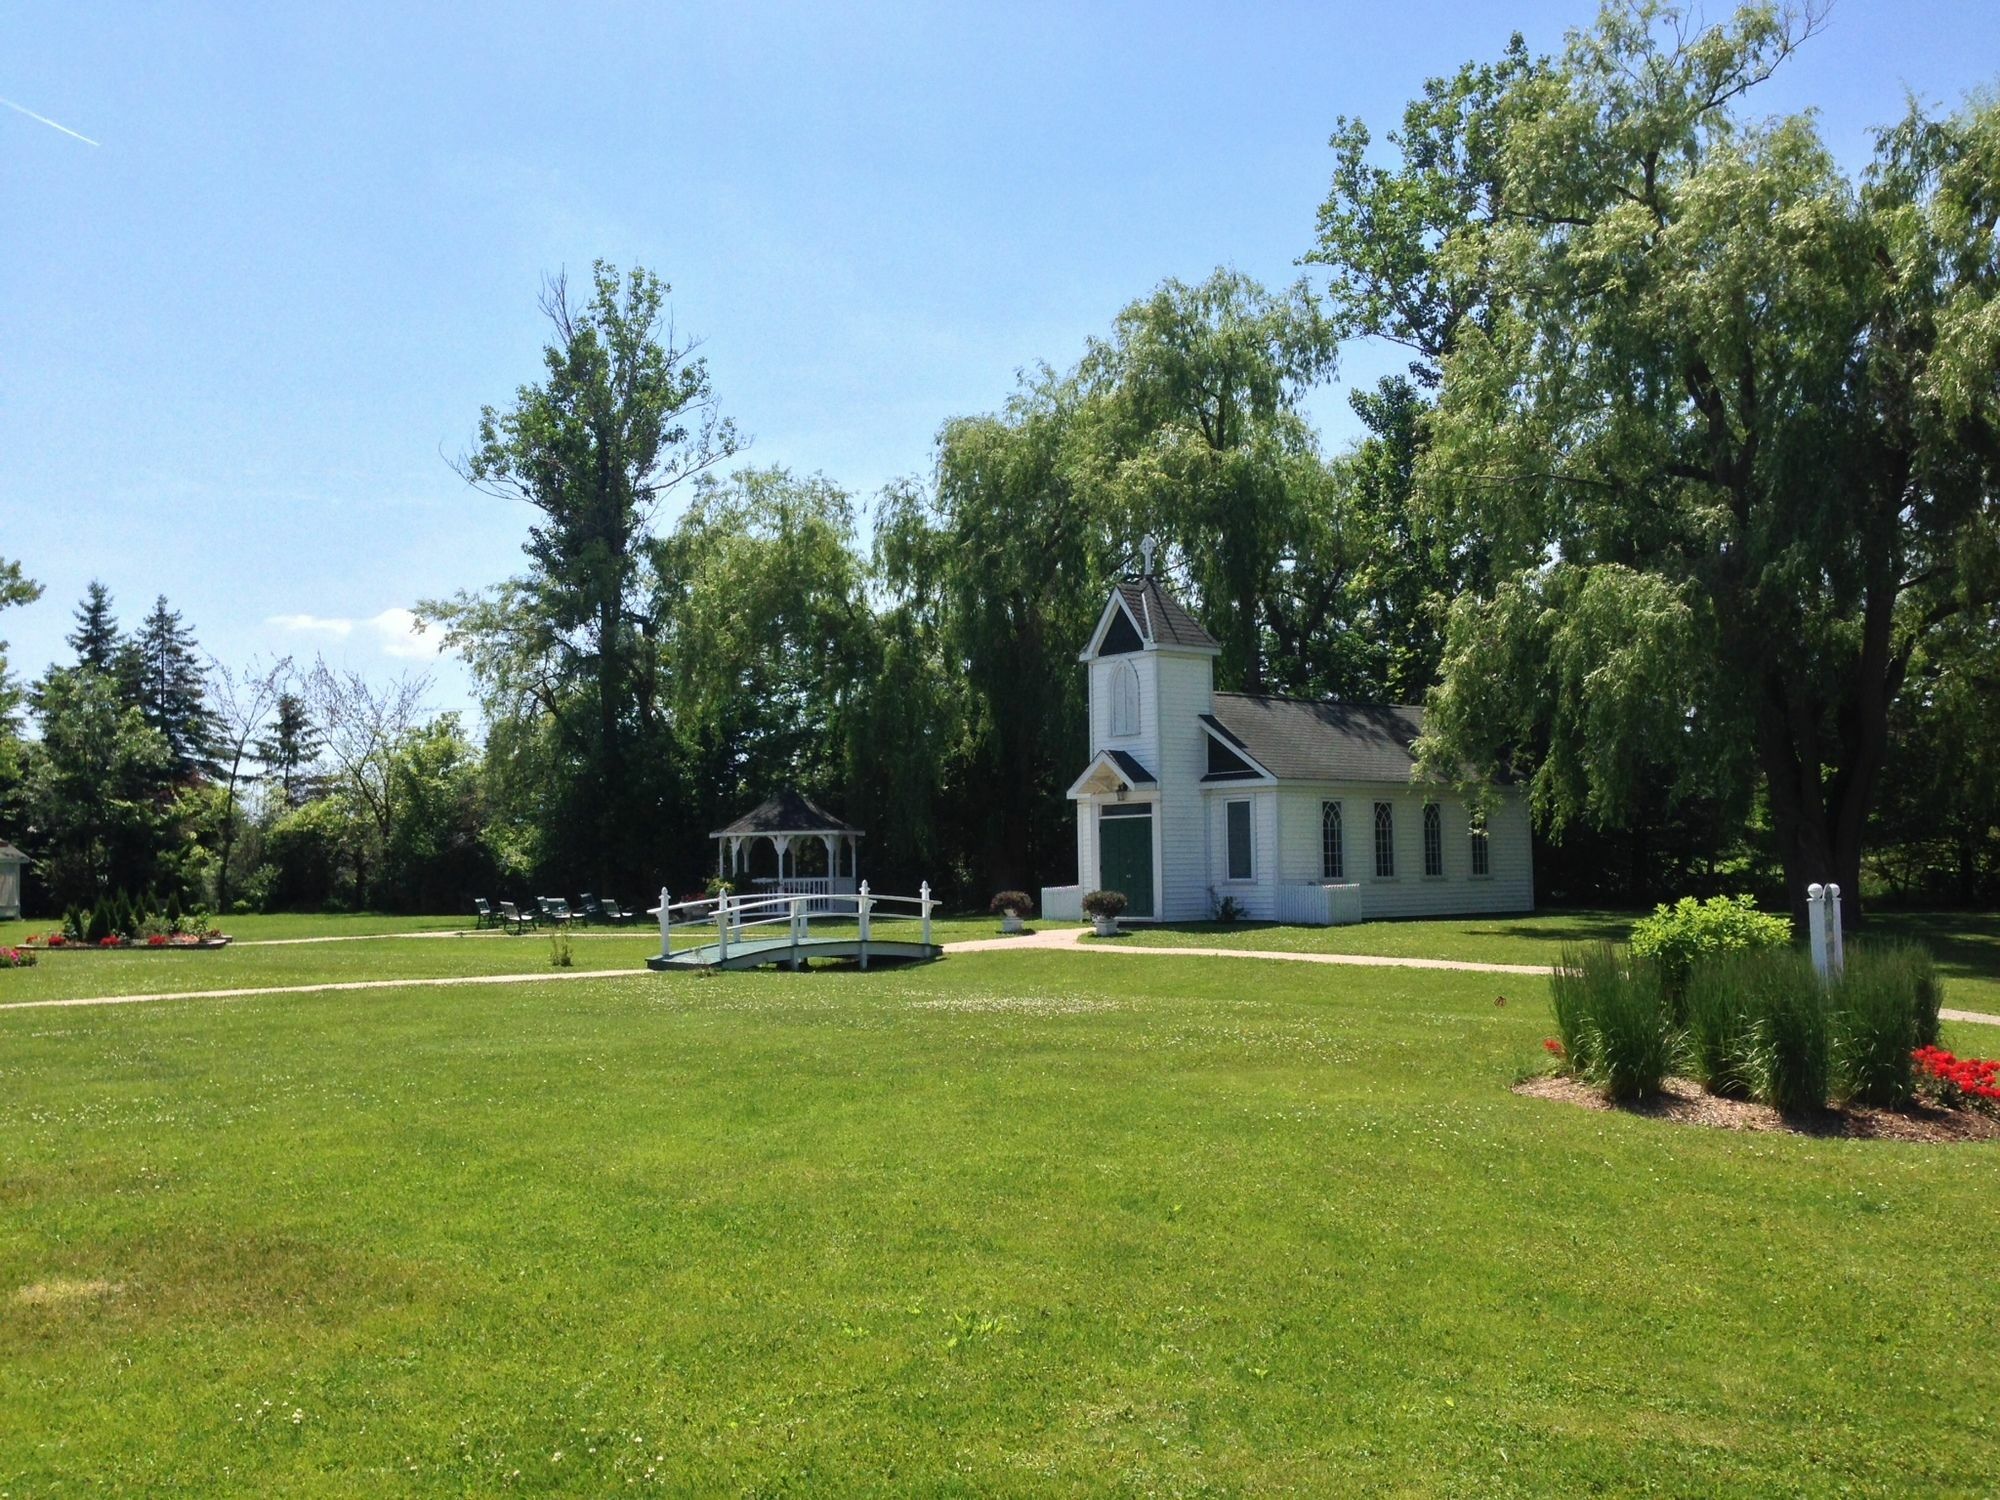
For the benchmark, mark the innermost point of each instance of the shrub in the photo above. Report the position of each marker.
(1614, 1021)
(1014, 903)
(1675, 937)
(97, 922)
(1877, 1013)
(1227, 908)
(1105, 904)
(17, 958)
(561, 956)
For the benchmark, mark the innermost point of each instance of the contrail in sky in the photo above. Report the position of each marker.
(22, 109)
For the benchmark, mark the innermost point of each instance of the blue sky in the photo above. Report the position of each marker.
(244, 332)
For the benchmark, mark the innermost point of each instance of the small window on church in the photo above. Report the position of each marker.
(1124, 699)
(1332, 858)
(1482, 853)
(1433, 841)
(1242, 857)
(1385, 841)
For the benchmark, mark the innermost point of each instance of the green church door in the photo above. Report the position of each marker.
(1125, 856)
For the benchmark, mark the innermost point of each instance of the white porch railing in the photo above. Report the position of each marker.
(1319, 905)
(723, 920)
(807, 885)
(1062, 903)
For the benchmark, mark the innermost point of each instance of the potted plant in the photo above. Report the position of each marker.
(1012, 906)
(1104, 908)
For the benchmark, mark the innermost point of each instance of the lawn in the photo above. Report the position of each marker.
(1534, 939)
(1017, 1222)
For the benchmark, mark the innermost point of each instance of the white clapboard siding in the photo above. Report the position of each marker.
(1182, 691)
(1256, 898)
(1509, 887)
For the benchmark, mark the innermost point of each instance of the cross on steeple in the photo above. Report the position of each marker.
(1147, 547)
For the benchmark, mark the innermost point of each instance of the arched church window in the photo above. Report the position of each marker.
(1124, 699)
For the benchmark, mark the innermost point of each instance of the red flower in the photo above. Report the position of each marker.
(111, 942)
(157, 940)
(1552, 1046)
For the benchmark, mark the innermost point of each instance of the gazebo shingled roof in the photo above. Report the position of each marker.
(787, 812)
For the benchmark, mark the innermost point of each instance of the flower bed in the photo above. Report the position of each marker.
(1754, 1025)
(1958, 1080)
(55, 942)
(17, 958)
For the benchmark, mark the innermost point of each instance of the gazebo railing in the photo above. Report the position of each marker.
(723, 920)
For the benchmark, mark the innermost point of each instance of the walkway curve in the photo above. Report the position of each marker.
(1072, 938)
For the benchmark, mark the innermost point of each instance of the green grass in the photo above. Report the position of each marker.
(1019, 1222)
(278, 925)
(1502, 940)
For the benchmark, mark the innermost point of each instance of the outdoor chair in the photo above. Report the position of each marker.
(555, 909)
(591, 908)
(612, 912)
(512, 916)
(485, 916)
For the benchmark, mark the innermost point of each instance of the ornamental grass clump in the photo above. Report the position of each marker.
(1719, 1042)
(1614, 1021)
(1790, 1015)
(1877, 1015)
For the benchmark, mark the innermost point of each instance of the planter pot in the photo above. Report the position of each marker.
(1011, 922)
(1106, 926)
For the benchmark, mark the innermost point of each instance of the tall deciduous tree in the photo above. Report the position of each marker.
(244, 703)
(1727, 422)
(624, 413)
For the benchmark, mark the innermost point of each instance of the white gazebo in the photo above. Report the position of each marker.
(11, 861)
(789, 846)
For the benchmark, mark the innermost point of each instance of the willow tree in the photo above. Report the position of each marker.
(1728, 424)
(1194, 429)
(764, 604)
(624, 414)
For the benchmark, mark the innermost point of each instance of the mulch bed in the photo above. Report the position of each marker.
(1684, 1102)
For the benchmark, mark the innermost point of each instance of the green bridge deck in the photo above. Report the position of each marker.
(756, 953)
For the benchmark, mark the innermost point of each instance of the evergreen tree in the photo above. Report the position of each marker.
(96, 639)
(93, 791)
(173, 692)
(291, 750)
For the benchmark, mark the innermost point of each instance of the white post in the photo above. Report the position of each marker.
(795, 932)
(861, 904)
(1816, 926)
(1836, 953)
(721, 929)
(924, 892)
(666, 922)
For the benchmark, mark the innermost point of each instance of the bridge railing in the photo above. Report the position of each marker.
(723, 920)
